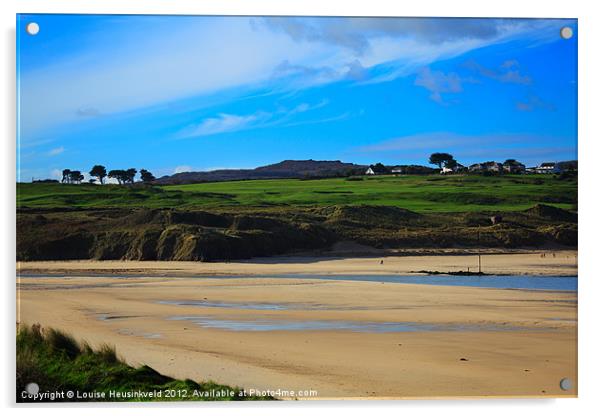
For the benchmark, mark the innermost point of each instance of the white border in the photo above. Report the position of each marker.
(590, 136)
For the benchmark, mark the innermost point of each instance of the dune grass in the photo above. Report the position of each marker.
(58, 363)
(431, 193)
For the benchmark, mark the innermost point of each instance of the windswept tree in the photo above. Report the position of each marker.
(146, 176)
(440, 159)
(75, 176)
(451, 164)
(123, 176)
(66, 173)
(118, 174)
(100, 172)
(130, 174)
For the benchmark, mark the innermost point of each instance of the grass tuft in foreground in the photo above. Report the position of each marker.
(56, 362)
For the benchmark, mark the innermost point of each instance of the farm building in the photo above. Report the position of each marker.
(412, 170)
(378, 169)
(548, 167)
(486, 167)
(457, 168)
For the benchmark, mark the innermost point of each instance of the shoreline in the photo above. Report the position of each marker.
(561, 263)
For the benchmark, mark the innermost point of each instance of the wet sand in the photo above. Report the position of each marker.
(554, 263)
(486, 342)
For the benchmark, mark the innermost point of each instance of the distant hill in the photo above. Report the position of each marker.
(283, 170)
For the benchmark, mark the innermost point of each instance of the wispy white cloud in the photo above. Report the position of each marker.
(56, 151)
(176, 58)
(305, 107)
(228, 123)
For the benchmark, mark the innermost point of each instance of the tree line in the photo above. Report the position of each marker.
(441, 160)
(447, 160)
(99, 174)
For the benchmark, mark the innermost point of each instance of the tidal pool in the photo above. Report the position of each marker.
(229, 305)
(263, 306)
(331, 325)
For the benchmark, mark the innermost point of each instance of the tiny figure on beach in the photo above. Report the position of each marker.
(496, 219)
(382, 262)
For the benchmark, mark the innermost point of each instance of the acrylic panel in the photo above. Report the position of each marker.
(283, 208)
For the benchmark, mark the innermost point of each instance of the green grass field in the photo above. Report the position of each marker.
(417, 193)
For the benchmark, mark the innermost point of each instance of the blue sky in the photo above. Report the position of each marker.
(179, 93)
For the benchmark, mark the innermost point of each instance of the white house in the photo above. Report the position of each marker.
(548, 167)
(486, 167)
(455, 169)
(370, 171)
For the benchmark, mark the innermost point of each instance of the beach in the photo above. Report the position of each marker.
(320, 339)
(525, 262)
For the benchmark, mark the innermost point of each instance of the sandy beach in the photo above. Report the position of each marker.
(327, 339)
(543, 263)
